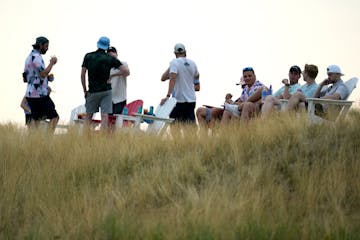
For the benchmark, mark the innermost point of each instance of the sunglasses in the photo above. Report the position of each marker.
(248, 69)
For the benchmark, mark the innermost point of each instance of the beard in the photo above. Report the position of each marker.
(43, 51)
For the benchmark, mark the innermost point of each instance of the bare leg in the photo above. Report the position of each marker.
(104, 121)
(201, 116)
(216, 114)
(88, 120)
(248, 111)
(295, 100)
(53, 123)
(226, 117)
(268, 106)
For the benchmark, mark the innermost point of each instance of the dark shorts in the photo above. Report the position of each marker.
(184, 112)
(42, 108)
(118, 107)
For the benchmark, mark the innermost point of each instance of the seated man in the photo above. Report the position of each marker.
(245, 107)
(208, 115)
(284, 92)
(305, 91)
(337, 91)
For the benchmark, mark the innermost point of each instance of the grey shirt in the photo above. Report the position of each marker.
(339, 87)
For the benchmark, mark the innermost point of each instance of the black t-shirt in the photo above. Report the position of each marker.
(99, 64)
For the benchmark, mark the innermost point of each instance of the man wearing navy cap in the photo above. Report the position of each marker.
(98, 95)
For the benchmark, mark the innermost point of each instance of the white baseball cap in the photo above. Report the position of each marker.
(334, 69)
(179, 48)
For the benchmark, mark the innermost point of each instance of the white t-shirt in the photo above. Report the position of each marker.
(186, 71)
(118, 85)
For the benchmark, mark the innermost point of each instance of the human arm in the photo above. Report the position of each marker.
(24, 106)
(83, 80)
(256, 96)
(228, 98)
(166, 75)
(197, 82)
(171, 87)
(321, 85)
(44, 73)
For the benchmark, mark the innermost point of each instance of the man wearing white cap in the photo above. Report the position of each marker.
(338, 90)
(182, 72)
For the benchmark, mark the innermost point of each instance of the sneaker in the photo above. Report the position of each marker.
(233, 108)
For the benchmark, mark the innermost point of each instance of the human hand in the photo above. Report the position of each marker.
(53, 60)
(325, 82)
(285, 81)
(228, 96)
(163, 101)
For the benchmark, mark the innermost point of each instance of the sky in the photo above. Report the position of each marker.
(222, 37)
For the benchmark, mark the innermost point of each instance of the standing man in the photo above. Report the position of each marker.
(182, 72)
(118, 84)
(36, 75)
(98, 64)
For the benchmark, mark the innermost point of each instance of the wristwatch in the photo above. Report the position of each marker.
(287, 84)
(168, 95)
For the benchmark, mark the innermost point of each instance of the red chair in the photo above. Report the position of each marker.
(132, 108)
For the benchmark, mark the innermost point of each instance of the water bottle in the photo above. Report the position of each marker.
(140, 110)
(125, 111)
(151, 111)
(264, 94)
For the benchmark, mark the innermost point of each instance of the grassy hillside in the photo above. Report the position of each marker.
(275, 179)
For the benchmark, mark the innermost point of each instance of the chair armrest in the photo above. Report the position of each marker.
(283, 104)
(151, 117)
(328, 101)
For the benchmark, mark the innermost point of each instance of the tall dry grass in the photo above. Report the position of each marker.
(276, 179)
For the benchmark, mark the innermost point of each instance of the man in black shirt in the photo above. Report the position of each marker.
(98, 65)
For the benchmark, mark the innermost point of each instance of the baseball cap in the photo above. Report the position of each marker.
(112, 49)
(103, 43)
(295, 69)
(179, 48)
(334, 69)
(40, 41)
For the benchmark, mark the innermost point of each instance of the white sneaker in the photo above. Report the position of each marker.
(233, 108)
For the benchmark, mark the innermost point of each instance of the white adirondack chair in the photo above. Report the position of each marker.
(161, 118)
(344, 105)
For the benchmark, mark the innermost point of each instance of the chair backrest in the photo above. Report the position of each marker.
(134, 106)
(351, 85)
(74, 113)
(162, 111)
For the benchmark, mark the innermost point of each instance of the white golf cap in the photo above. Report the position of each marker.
(334, 69)
(179, 48)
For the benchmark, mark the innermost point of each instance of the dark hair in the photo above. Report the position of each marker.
(112, 49)
(295, 69)
(40, 41)
(311, 70)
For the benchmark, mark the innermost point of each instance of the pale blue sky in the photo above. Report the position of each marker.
(222, 37)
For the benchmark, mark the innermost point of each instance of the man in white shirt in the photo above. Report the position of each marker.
(118, 84)
(182, 72)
